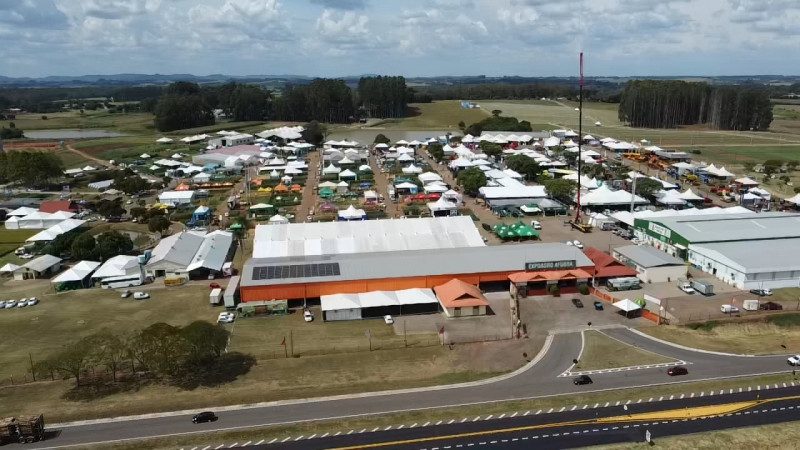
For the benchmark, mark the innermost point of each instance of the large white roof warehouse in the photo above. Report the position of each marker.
(326, 238)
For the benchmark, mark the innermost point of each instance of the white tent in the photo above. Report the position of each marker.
(405, 157)
(164, 140)
(434, 188)
(258, 206)
(603, 196)
(453, 196)
(460, 163)
(331, 169)
(412, 169)
(763, 193)
(9, 268)
(278, 219)
(370, 196)
(429, 177)
(402, 142)
(346, 160)
(328, 184)
(365, 168)
(746, 181)
(690, 196)
(627, 305)
(670, 197)
(406, 185)
(381, 145)
(77, 272)
(56, 230)
(347, 173)
(352, 213)
(795, 199)
(552, 142)
(442, 205)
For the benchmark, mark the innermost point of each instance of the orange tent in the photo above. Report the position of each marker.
(297, 188)
(182, 187)
(281, 188)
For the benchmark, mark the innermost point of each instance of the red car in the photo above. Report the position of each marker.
(214, 286)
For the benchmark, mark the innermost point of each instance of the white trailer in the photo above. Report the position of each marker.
(215, 297)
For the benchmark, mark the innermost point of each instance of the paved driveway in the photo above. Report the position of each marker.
(543, 314)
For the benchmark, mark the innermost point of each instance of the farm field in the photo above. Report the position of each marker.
(11, 240)
(134, 123)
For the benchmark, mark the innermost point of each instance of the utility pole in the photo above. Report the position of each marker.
(580, 140)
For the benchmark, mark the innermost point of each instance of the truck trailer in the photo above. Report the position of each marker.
(22, 429)
(703, 288)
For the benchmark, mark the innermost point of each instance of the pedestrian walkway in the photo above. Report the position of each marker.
(309, 200)
(393, 210)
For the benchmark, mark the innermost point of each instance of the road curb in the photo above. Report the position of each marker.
(545, 347)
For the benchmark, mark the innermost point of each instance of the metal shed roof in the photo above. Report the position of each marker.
(735, 227)
(646, 256)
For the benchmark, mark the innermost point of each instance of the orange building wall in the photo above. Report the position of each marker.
(311, 290)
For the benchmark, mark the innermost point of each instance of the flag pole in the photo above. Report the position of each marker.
(580, 140)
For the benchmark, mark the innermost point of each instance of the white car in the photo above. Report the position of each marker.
(10, 304)
(569, 243)
(577, 243)
(22, 303)
(140, 295)
(536, 224)
(125, 294)
(2, 304)
(308, 316)
(33, 301)
(686, 287)
(727, 309)
(794, 360)
(388, 320)
(226, 317)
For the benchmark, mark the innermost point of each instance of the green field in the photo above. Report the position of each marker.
(439, 115)
(135, 123)
(11, 240)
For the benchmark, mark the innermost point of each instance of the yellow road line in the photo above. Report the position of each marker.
(671, 414)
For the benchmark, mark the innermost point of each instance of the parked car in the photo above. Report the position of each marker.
(761, 292)
(308, 316)
(22, 303)
(125, 294)
(2, 304)
(794, 360)
(226, 317)
(569, 243)
(677, 370)
(33, 301)
(577, 243)
(577, 302)
(214, 285)
(685, 286)
(536, 225)
(770, 306)
(205, 416)
(11, 304)
(582, 379)
(727, 309)
(388, 320)
(138, 295)
(598, 306)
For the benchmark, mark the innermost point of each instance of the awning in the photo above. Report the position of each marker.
(627, 305)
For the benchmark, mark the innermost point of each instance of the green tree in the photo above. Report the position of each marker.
(380, 138)
(110, 351)
(648, 187)
(73, 360)
(561, 189)
(182, 106)
(436, 151)
(84, 247)
(472, 180)
(113, 243)
(462, 126)
(204, 341)
(130, 183)
(160, 348)
(138, 212)
(249, 102)
(158, 224)
(772, 166)
(110, 208)
(314, 133)
(491, 149)
(30, 168)
(524, 165)
(496, 112)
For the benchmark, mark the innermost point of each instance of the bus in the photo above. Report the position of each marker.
(122, 281)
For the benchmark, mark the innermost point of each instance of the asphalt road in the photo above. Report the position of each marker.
(577, 428)
(540, 380)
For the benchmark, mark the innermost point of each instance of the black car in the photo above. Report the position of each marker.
(677, 370)
(577, 302)
(761, 292)
(205, 416)
(583, 379)
(598, 306)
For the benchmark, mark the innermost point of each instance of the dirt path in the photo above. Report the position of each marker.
(382, 187)
(309, 200)
(72, 149)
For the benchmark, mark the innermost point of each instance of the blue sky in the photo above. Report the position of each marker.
(407, 37)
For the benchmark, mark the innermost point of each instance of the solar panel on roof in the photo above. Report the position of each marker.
(296, 271)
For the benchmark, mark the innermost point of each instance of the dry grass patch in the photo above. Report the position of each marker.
(603, 352)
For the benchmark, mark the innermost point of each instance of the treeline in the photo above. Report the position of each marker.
(384, 96)
(498, 123)
(188, 356)
(669, 104)
(188, 105)
(507, 91)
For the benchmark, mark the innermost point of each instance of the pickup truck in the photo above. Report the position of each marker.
(685, 286)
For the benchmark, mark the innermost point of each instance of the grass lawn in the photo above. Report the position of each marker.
(445, 414)
(329, 359)
(439, 115)
(743, 337)
(603, 352)
(100, 119)
(781, 435)
(11, 240)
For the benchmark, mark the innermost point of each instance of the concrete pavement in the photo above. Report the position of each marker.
(538, 380)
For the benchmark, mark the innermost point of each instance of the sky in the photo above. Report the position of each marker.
(400, 37)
